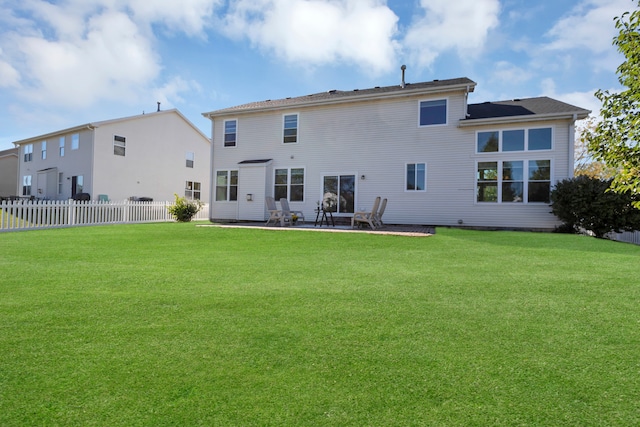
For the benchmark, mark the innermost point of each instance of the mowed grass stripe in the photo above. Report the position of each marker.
(172, 324)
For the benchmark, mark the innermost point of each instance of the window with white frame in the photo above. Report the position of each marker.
(510, 140)
(192, 190)
(119, 145)
(433, 112)
(26, 185)
(75, 141)
(61, 146)
(190, 158)
(43, 150)
(290, 129)
(289, 184)
(513, 181)
(416, 177)
(60, 182)
(230, 133)
(28, 152)
(227, 186)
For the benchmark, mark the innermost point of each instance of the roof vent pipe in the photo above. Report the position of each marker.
(404, 67)
(158, 105)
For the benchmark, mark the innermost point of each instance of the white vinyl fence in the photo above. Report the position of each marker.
(25, 215)
(626, 236)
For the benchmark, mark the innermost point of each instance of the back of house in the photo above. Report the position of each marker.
(438, 160)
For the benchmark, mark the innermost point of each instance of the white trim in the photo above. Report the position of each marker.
(297, 114)
(425, 177)
(355, 190)
(304, 183)
(522, 119)
(446, 112)
(215, 185)
(224, 132)
(526, 140)
(499, 181)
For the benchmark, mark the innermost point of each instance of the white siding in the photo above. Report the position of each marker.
(377, 139)
(154, 164)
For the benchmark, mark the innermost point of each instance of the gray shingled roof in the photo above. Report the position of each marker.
(336, 95)
(522, 107)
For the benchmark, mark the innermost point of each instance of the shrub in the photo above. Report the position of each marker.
(184, 210)
(585, 202)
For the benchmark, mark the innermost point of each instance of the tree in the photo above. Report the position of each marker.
(585, 202)
(584, 163)
(616, 138)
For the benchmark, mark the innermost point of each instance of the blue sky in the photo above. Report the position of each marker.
(66, 63)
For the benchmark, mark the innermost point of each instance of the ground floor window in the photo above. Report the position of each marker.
(513, 181)
(192, 190)
(339, 193)
(77, 185)
(289, 184)
(416, 177)
(227, 186)
(26, 185)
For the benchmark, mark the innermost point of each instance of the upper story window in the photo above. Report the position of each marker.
(75, 141)
(190, 159)
(43, 150)
(119, 145)
(433, 112)
(230, 133)
(61, 146)
(28, 152)
(416, 177)
(514, 140)
(290, 130)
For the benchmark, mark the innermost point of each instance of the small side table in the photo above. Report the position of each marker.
(321, 214)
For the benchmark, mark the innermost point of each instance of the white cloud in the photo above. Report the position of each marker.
(588, 27)
(76, 53)
(507, 72)
(318, 32)
(460, 25)
(107, 62)
(582, 99)
(170, 92)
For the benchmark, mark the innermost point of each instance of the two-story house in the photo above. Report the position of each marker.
(436, 159)
(8, 172)
(153, 155)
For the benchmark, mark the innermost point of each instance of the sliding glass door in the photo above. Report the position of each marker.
(339, 193)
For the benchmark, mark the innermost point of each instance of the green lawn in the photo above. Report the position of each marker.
(178, 325)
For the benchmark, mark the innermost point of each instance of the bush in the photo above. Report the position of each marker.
(184, 210)
(585, 202)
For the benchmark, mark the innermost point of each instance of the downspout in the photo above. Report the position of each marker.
(572, 145)
(92, 173)
(212, 184)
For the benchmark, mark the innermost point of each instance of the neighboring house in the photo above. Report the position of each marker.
(8, 172)
(438, 160)
(154, 155)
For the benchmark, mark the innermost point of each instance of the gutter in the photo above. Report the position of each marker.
(521, 119)
(88, 126)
